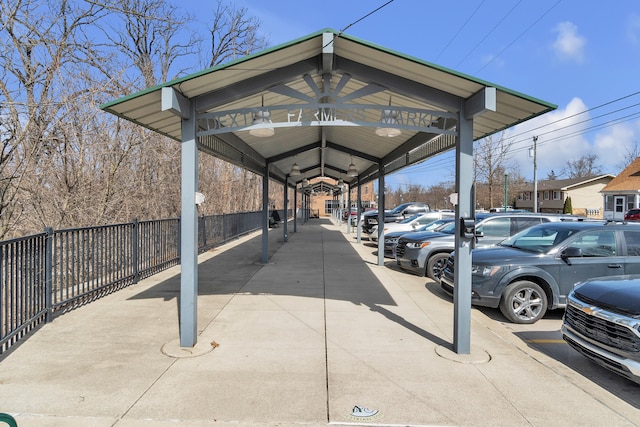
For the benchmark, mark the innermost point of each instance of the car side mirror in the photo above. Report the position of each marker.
(571, 252)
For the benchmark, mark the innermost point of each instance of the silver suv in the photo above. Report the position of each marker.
(426, 254)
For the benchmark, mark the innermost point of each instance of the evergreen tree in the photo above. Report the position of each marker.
(568, 209)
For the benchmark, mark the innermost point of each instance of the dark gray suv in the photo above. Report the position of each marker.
(536, 269)
(426, 253)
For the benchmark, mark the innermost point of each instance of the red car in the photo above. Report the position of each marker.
(632, 215)
(352, 214)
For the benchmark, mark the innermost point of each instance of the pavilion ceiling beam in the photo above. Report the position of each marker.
(294, 152)
(401, 85)
(254, 85)
(352, 152)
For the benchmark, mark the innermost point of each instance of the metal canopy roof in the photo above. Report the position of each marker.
(325, 71)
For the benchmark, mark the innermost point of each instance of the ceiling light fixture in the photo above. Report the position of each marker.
(295, 170)
(262, 117)
(352, 171)
(390, 120)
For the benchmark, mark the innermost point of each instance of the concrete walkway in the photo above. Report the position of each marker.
(317, 336)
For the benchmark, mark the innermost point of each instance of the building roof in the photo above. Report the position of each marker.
(567, 184)
(627, 180)
(326, 72)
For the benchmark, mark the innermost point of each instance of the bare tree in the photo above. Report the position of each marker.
(631, 154)
(66, 163)
(40, 41)
(233, 33)
(583, 167)
(490, 159)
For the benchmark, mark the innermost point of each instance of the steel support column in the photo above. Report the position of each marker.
(265, 215)
(380, 214)
(189, 233)
(464, 209)
(358, 226)
(286, 209)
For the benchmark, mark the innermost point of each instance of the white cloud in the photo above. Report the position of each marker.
(567, 134)
(569, 45)
(560, 139)
(633, 28)
(614, 144)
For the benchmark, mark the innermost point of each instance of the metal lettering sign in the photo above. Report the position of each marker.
(326, 114)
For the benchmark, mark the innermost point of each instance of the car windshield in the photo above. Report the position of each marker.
(399, 208)
(541, 238)
(435, 225)
(411, 218)
(450, 228)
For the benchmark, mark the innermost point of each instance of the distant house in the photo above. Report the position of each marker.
(586, 198)
(623, 192)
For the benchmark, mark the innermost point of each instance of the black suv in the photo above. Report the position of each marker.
(602, 321)
(536, 269)
(396, 214)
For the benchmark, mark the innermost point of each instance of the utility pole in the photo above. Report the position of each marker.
(532, 153)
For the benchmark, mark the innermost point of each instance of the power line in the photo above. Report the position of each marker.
(581, 112)
(460, 30)
(521, 34)
(358, 20)
(489, 33)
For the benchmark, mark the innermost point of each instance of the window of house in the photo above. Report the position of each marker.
(608, 203)
(630, 203)
(519, 196)
(546, 195)
(557, 195)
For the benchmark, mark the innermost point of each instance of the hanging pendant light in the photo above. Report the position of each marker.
(389, 119)
(262, 117)
(295, 170)
(352, 171)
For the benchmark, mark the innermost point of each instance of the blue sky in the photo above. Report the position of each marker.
(583, 56)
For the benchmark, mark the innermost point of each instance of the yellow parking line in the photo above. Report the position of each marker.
(546, 341)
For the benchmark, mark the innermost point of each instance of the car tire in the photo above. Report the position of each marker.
(523, 302)
(436, 265)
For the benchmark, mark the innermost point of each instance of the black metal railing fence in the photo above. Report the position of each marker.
(58, 270)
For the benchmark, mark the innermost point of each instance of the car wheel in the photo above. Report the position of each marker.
(436, 266)
(523, 302)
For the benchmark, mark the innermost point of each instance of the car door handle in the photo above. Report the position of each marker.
(614, 266)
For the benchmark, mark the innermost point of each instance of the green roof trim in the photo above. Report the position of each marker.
(106, 106)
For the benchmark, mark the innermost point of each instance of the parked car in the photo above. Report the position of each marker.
(355, 220)
(602, 321)
(391, 239)
(350, 214)
(632, 215)
(409, 224)
(536, 269)
(426, 254)
(396, 214)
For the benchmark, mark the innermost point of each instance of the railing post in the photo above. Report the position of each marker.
(224, 227)
(134, 249)
(179, 239)
(203, 226)
(48, 274)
